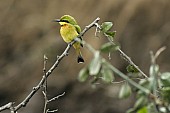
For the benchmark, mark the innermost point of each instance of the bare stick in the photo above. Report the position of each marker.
(132, 63)
(6, 106)
(52, 111)
(45, 85)
(154, 57)
(59, 58)
(56, 97)
(128, 59)
(115, 70)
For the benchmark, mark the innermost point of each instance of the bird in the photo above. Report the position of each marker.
(69, 31)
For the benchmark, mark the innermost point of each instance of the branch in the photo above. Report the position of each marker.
(45, 85)
(128, 59)
(115, 70)
(128, 79)
(59, 58)
(6, 106)
(131, 62)
(154, 57)
(56, 97)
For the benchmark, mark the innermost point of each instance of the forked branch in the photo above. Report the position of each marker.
(40, 84)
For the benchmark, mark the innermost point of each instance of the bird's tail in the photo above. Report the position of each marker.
(78, 52)
(80, 59)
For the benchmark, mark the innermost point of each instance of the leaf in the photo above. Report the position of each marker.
(143, 110)
(163, 109)
(106, 26)
(131, 68)
(145, 83)
(109, 47)
(125, 91)
(140, 102)
(95, 64)
(83, 75)
(165, 79)
(131, 110)
(110, 34)
(107, 74)
(165, 92)
(151, 108)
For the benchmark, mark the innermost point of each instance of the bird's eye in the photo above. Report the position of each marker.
(65, 21)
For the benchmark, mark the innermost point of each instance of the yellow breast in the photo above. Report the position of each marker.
(68, 32)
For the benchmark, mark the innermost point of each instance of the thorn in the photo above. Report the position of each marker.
(45, 57)
(34, 88)
(58, 57)
(23, 104)
(66, 53)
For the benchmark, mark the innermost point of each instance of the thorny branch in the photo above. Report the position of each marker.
(7, 106)
(56, 97)
(59, 58)
(132, 63)
(128, 59)
(36, 88)
(45, 85)
(118, 72)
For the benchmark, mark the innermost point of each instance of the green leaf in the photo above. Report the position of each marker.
(95, 64)
(145, 83)
(165, 79)
(131, 68)
(107, 74)
(131, 110)
(110, 34)
(83, 75)
(106, 26)
(151, 108)
(125, 91)
(140, 102)
(109, 47)
(143, 110)
(165, 92)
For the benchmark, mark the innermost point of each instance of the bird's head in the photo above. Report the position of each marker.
(66, 19)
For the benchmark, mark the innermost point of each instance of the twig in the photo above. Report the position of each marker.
(132, 63)
(154, 72)
(159, 51)
(128, 59)
(56, 97)
(118, 82)
(45, 85)
(115, 70)
(154, 57)
(59, 58)
(6, 106)
(52, 111)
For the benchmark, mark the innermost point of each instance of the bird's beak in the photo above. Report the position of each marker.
(56, 20)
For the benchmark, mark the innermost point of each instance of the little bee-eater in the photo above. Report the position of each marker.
(69, 31)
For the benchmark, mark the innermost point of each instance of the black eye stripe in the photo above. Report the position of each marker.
(64, 21)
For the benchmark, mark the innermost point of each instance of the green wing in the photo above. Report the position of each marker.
(78, 29)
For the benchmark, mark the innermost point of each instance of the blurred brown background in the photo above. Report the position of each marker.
(27, 33)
